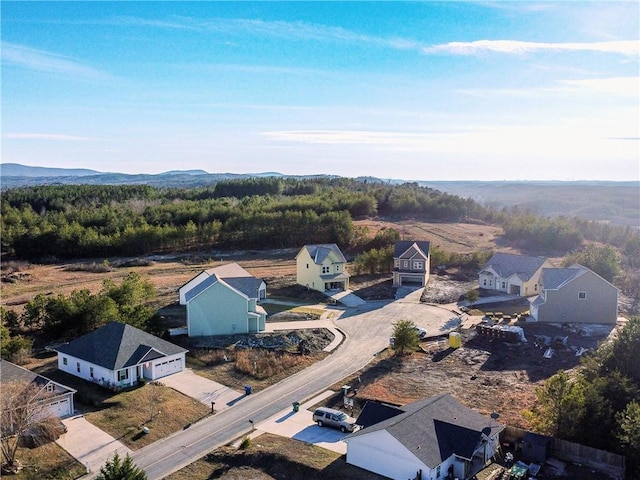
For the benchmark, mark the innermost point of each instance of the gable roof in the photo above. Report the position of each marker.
(375, 412)
(507, 264)
(231, 274)
(402, 246)
(320, 252)
(435, 428)
(554, 278)
(118, 345)
(10, 372)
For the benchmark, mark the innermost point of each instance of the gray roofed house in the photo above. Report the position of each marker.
(321, 267)
(574, 295)
(55, 397)
(118, 355)
(411, 263)
(223, 301)
(513, 274)
(433, 436)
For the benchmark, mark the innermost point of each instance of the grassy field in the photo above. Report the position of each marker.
(273, 457)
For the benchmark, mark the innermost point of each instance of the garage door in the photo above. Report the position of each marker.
(167, 367)
(61, 408)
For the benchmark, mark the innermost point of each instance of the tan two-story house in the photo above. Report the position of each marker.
(322, 268)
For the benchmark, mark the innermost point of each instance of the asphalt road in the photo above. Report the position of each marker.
(367, 330)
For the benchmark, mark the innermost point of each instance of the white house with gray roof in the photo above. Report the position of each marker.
(52, 396)
(117, 355)
(574, 295)
(513, 274)
(425, 440)
(321, 267)
(224, 301)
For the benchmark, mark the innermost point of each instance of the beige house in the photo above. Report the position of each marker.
(513, 274)
(322, 268)
(574, 295)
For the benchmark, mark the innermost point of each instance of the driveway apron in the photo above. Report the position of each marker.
(88, 444)
(202, 389)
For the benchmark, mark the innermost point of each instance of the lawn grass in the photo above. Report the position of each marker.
(124, 414)
(49, 461)
(273, 457)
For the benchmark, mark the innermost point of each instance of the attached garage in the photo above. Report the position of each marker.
(166, 367)
(61, 407)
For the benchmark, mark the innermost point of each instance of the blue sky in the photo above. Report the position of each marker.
(418, 91)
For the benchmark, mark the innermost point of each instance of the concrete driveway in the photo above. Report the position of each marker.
(88, 444)
(300, 426)
(202, 389)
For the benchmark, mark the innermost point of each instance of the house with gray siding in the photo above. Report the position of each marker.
(411, 263)
(574, 295)
(513, 274)
(224, 301)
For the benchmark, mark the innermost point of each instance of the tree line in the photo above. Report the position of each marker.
(100, 221)
(599, 406)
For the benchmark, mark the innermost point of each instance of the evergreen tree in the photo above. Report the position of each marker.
(117, 469)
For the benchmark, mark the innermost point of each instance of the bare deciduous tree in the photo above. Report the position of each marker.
(21, 411)
(151, 397)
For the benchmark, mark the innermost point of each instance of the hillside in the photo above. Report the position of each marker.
(613, 202)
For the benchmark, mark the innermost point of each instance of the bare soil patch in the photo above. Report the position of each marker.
(451, 237)
(486, 374)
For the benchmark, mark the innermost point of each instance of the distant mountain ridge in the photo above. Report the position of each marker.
(17, 170)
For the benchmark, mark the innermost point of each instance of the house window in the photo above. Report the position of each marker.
(438, 472)
(123, 374)
(64, 360)
(504, 284)
(582, 295)
(91, 372)
(396, 262)
(535, 287)
(307, 265)
(50, 387)
(417, 265)
(325, 269)
(78, 366)
(484, 282)
(337, 268)
(405, 263)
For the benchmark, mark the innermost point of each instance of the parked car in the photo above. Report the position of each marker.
(422, 332)
(333, 418)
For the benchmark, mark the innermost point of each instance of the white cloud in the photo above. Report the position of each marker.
(623, 47)
(298, 30)
(57, 137)
(49, 62)
(625, 86)
(571, 140)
